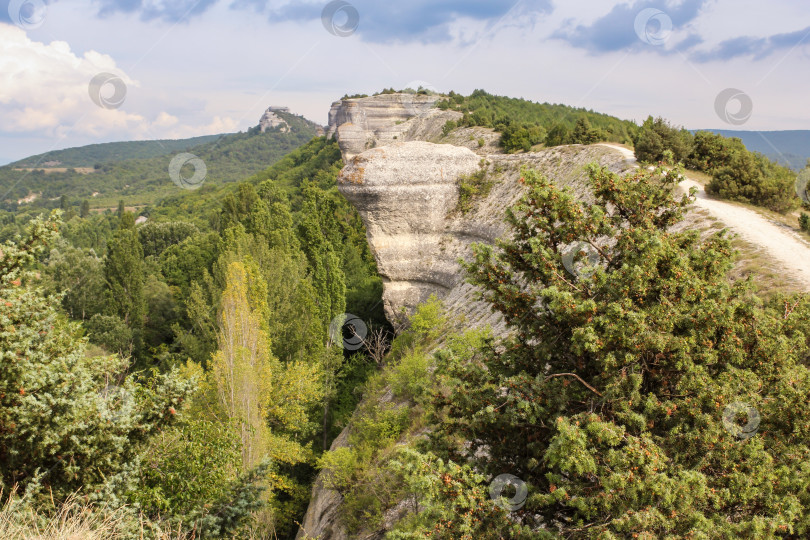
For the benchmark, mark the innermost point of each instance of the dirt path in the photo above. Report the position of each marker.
(785, 247)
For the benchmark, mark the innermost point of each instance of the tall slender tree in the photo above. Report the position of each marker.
(124, 273)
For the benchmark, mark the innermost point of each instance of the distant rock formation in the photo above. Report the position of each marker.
(271, 120)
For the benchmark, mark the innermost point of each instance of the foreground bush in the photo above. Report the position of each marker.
(643, 396)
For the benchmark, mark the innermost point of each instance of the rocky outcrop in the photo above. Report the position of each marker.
(408, 193)
(363, 123)
(404, 193)
(406, 188)
(271, 120)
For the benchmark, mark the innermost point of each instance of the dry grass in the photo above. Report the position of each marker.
(72, 520)
(700, 177)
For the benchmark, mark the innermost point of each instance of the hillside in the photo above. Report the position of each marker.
(427, 196)
(140, 181)
(90, 155)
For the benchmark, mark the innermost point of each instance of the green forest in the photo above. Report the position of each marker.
(90, 155)
(188, 363)
(185, 377)
(142, 178)
(524, 124)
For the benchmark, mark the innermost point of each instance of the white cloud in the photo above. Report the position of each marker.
(45, 87)
(44, 90)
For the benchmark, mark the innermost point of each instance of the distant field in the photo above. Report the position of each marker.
(51, 170)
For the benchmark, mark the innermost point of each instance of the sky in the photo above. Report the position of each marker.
(76, 72)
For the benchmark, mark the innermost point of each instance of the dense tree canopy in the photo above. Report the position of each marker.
(646, 396)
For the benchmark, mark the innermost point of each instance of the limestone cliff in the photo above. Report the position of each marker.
(407, 194)
(405, 184)
(364, 123)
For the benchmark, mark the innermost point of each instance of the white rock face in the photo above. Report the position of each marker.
(364, 123)
(271, 120)
(404, 193)
(407, 195)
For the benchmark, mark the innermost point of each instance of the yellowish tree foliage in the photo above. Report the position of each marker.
(269, 403)
(243, 365)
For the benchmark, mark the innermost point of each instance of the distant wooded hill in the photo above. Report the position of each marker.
(137, 172)
(88, 156)
(790, 148)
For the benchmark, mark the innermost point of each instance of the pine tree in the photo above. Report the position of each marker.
(646, 396)
(320, 240)
(68, 422)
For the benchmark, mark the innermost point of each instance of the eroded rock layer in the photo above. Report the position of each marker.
(406, 189)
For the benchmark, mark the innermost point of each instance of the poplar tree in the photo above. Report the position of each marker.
(124, 273)
(268, 403)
